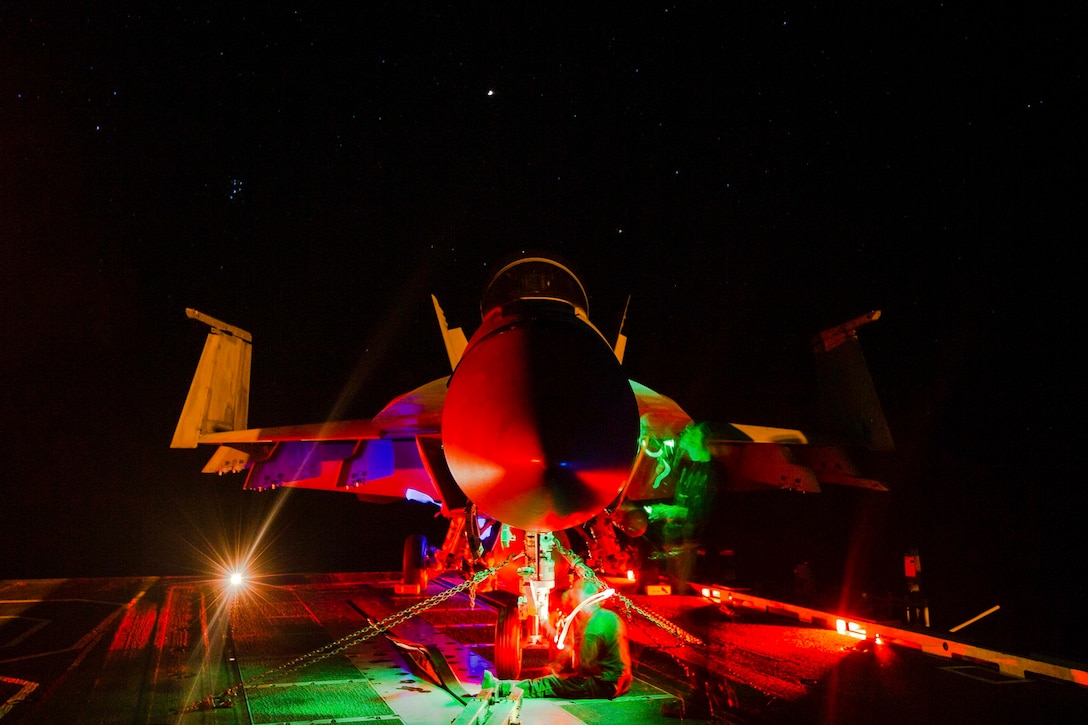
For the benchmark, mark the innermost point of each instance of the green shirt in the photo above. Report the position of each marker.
(604, 652)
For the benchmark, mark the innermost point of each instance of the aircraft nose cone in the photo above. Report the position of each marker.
(540, 426)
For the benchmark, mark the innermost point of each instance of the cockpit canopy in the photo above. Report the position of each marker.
(535, 278)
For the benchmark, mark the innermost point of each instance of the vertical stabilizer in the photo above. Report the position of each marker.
(218, 397)
(454, 339)
(621, 338)
(849, 406)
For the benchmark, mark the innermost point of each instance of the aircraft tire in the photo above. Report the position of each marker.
(415, 561)
(508, 644)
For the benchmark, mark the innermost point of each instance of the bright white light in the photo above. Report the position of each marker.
(236, 579)
(564, 624)
(413, 495)
(850, 629)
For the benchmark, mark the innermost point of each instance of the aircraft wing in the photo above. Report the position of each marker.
(760, 457)
(399, 453)
(395, 455)
(753, 457)
(374, 468)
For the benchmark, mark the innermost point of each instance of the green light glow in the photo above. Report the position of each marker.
(684, 468)
(669, 452)
(693, 442)
(666, 446)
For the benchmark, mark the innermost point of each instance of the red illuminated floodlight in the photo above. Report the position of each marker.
(713, 595)
(855, 630)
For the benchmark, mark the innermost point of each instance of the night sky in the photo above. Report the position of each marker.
(748, 175)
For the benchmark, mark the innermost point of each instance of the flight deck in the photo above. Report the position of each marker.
(347, 648)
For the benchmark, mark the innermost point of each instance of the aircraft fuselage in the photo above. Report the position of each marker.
(540, 424)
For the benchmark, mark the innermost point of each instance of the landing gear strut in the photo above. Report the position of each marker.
(527, 623)
(415, 561)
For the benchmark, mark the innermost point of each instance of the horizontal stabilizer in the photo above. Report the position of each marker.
(831, 465)
(228, 459)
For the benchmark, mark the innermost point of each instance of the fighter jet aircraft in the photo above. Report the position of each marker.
(537, 430)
